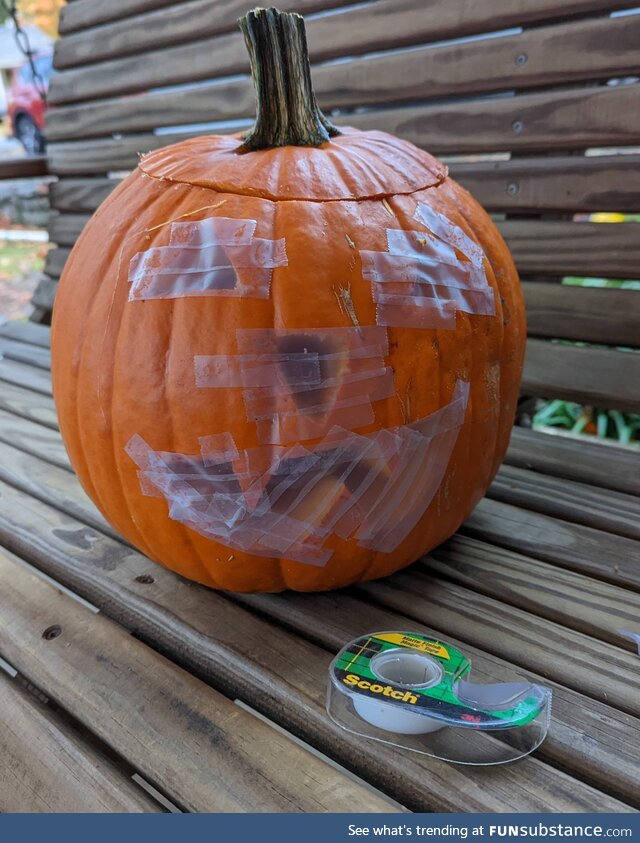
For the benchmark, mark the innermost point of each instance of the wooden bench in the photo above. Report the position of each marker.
(138, 687)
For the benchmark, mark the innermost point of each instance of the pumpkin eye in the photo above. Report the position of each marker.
(333, 362)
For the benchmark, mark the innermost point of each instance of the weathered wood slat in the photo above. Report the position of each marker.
(45, 766)
(608, 557)
(580, 503)
(538, 644)
(22, 374)
(596, 463)
(593, 607)
(56, 486)
(165, 26)
(78, 195)
(26, 332)
(586, 248)
(322, 618)
(64, 229)
(590, 314)
(55, 261)
(573, 52)
(24, 168)
(45, 293)
(22, 402)
(589, 50)
(367, 25)
(199, 747)
(33, 438)
(553, 120)
(589, 375)
(81, 14)
(241, 653)
(558, 183)
(567, 183)
(34, 355)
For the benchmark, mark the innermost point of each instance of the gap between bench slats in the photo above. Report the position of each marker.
(184, 737)
(45, 766)
(242, 654)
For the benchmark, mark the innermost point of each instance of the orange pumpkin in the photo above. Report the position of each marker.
(289, 360)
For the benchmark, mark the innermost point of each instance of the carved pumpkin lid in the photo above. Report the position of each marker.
(353, 165)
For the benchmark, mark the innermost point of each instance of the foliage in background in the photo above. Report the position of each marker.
(41, 13)
(591, 421)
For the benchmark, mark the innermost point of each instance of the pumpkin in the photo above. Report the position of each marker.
(289, 359)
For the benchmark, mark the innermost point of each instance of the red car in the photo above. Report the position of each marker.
(26, 108)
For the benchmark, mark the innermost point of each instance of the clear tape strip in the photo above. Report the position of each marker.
(276, 501)
(480, 302)
(368, 340)
(381, 268)
(410, 312)
(213, 257)
(452, 234)
(314, 422)
(283, 371)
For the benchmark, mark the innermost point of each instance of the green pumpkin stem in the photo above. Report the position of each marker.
(287, 111)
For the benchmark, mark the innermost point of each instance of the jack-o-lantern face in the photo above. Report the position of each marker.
(294, 367)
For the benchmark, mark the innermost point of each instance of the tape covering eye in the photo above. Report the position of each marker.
(285, 502)
(212, 257)
(424, 278)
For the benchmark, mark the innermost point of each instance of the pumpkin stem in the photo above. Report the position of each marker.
(287, 111)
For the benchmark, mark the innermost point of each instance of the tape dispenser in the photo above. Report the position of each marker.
(411, 691)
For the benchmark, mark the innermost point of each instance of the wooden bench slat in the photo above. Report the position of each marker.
(26, 332)
(33, 439)
(558, 183)
(368, 25)
(184, 737)
(585, 374)
(25, 375)
(539, 644)
(242, 653)
(590, 314)
(574, 248)
(583, 549)
(34, 355)
(580, 503)
(29, 405)
(47, 767)
(322, 618)
(64, 229)
(575, 459)
(596, 608)
(24, 168)
(55, 261)
(140, 22)
(420, 74)
(45, 293)
(80, 195)
(55, 485)
(553, 120)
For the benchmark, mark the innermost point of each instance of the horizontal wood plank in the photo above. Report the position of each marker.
(23, 168)
(558, 183)
(78, 195)
(583, 549)
(55, 261)
(64, 229)
(47, 767)
(189, 740)
(574, 248)
(35, 355)
(570, 119)
(241, 652)
(26, 332)
(367, 25)
(578, 459)
(579, 602)
(171, 24)
(45, 293)
(22, 402)
(580, 503)
(33, 438)
(81, 14)
(539, 644)
(323, 618)
(590, 314)
(589, 50)
(25, 375)
(586, 374)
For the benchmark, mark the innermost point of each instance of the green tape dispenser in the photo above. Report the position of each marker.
(413, 692)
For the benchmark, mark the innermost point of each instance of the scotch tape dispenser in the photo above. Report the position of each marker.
(413, 692)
